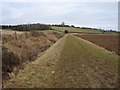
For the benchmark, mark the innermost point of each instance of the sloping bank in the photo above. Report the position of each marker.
(20, 49)
(70, 63)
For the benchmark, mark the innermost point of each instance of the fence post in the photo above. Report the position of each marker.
(15, 35)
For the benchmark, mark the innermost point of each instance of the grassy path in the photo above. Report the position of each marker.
(69, 63)
(84, 65)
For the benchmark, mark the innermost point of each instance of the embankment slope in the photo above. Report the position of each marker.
(69, 63)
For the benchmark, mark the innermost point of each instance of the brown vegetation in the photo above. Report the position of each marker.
(19, 49)
(10, 32)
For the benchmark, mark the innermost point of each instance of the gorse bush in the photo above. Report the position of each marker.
(66, 31)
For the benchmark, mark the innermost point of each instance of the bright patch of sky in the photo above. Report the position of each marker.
(88, 14)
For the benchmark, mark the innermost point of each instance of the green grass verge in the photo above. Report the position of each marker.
(80, 61)
(77, 47)
(52, 31)
(78, 30)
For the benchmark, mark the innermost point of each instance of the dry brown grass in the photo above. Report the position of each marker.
(9, 32)
(20, 49)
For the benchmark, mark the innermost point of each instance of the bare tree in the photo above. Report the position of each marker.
(63, 24)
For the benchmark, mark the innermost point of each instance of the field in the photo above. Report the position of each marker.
(109, 42)
(53, 31)
(79, 30)
(9, 32)
(76, 30)
(69, 63)
(83, 58)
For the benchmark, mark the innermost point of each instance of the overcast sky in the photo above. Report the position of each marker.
(90, 14)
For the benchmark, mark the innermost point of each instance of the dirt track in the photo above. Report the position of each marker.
(69, 63)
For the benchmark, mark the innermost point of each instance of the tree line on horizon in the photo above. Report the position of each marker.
(38, 26)
(26, 27)
(29, 27)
